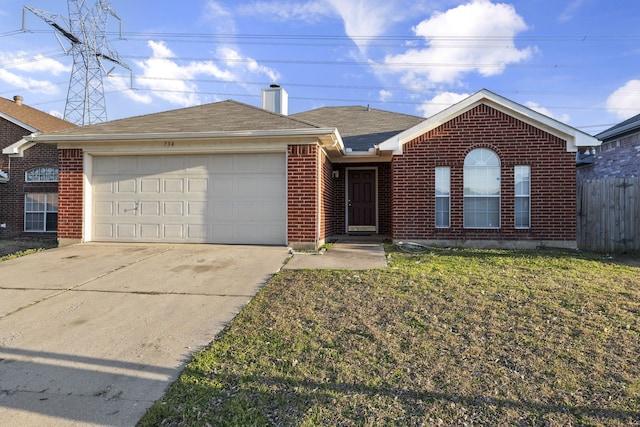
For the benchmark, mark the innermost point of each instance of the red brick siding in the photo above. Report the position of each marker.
(328, 200)
(553, 181)
(302, 190)
(70, 197)
(12, 193)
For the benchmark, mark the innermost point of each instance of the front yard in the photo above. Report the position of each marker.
(451, 337)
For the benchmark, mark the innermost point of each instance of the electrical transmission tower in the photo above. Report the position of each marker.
(86, 30)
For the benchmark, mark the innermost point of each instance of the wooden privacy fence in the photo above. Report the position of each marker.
(609, 215)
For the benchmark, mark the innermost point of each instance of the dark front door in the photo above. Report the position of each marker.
(362, 199)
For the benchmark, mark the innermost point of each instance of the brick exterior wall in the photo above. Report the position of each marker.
(70, 196)
(328, 197)
(302, 190)
(553, 180)
(619, 158)
(12, 193)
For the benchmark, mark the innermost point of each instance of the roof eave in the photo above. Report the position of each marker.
(18, 148)
(95, 138)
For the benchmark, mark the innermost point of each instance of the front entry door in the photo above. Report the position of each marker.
(362, 200)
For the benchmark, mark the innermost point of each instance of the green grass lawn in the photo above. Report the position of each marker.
(451, 337)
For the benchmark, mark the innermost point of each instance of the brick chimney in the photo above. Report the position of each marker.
(18, 99)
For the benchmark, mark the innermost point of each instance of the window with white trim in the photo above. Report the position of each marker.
(41, 212)
(443, 197)
(42, 174)
(482, 189)
(522, 175)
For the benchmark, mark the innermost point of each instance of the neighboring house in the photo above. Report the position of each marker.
(484, 172)
(617, 157)
(28, 172)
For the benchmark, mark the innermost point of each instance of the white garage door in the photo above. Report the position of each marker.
(221, 198)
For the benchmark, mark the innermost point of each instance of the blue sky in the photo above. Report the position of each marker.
(575, 60)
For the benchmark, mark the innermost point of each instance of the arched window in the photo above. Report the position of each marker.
(482, 189)
(42, 174)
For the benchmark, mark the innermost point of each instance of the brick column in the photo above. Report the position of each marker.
(70, 196)
(302, 183)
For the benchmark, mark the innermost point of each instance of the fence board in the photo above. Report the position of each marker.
(608, 218)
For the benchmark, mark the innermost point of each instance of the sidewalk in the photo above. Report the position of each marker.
(342, 255)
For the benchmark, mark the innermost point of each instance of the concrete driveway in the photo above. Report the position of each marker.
(93, 334)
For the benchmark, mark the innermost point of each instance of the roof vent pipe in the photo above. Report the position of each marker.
(275, 99)
(18, 99)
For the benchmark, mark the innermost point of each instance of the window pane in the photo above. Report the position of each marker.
(43, 174)
(522, 180)
(52, 202)
(52, 222)
(482, 212)
(442, 212)
(34, 222)
(443, 185)
(34, 202)
(522, 212)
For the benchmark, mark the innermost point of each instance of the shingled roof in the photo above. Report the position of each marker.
(630, 125)
(360, 127)
(35, 119)
(224, 116)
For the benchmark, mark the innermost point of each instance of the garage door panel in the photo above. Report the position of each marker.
(150, 231)
(126, 231)
(150, 185)
(190, 198)
(127, 185)
(173, 185)
(173, 232)
(103, 231)
(173, 209)
(197, 185)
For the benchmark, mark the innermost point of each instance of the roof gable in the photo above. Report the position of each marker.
(361, 128)
(574, 137)
(224, 116)
(30, 119)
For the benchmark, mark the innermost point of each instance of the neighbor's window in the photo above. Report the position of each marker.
(482, 189)
(40, 212)
(43, 174)
(523, 196)
(443, 196)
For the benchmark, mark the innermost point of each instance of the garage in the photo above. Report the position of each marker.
(203, 198)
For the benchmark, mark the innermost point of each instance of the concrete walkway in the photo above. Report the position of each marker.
(91, 335)
(342, 255)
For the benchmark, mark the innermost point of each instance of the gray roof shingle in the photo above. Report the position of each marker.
(224, 116)
(360, 127)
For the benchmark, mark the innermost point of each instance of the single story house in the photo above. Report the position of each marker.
(483, 172)
(28, 172)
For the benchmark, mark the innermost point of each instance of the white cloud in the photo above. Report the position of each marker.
(173, 82)
(625, 101)
(385, 95)
(570, 10)
(440, 102)
(26, 62)
(220, 17)
(564, 118)
(474, 37)
(39, 86)
(309, 12)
